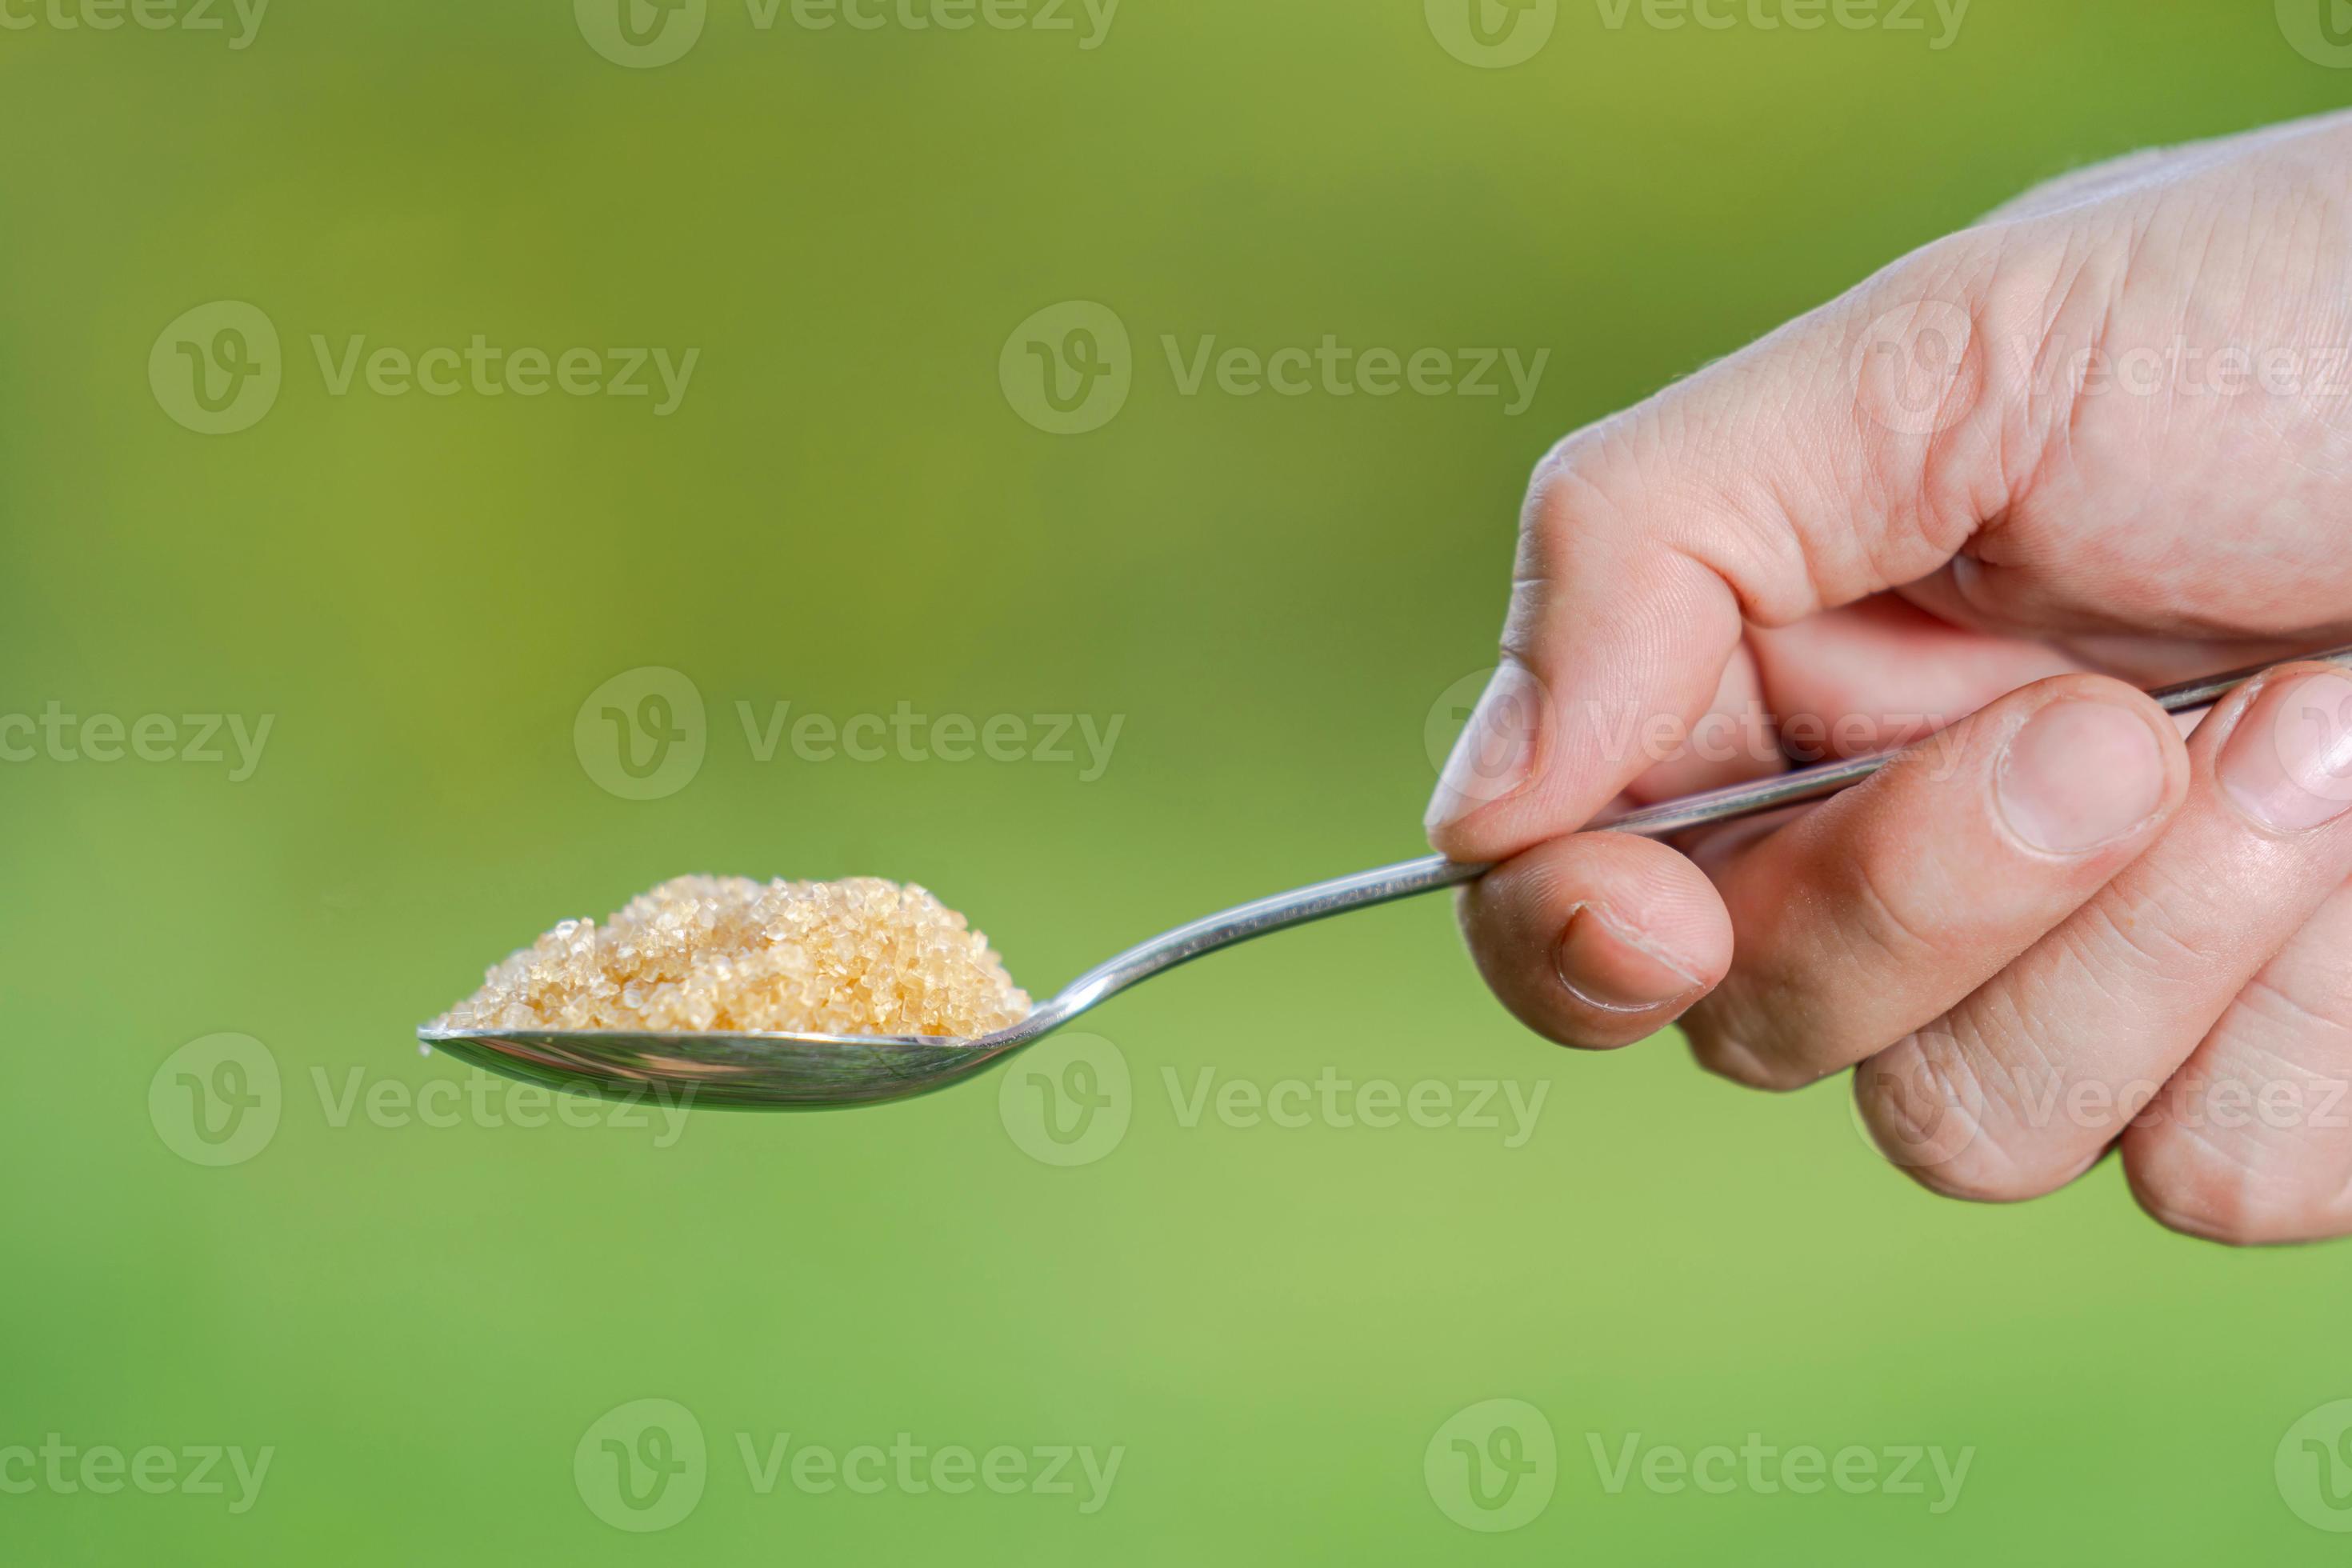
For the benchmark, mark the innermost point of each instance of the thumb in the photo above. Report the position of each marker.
(1856, 450)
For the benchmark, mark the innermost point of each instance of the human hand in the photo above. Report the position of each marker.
(2105, 433)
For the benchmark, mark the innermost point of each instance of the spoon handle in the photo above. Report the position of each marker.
(1295, 907)
(1389, 883)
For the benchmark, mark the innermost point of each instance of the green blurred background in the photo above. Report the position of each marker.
(848, 512)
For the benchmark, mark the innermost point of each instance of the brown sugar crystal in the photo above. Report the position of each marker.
(728, 954)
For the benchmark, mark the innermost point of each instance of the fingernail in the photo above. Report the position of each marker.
(2079, 776)
(2288, 765)
(1605, 965)
(1497, 750)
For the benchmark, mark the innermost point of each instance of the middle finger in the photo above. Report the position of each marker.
(1868, 918)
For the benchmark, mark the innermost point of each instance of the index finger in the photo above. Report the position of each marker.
(1790, 479)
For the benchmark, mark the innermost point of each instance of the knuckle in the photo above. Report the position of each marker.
(1573, 485)
(1754, 1035)
(1932, 1114)
(1949, 432)
(2200, 1186)
(2313, 1003)
(2129, 938)
(1725, 1052)
(1890, 912)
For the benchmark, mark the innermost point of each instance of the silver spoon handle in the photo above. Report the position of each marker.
(1389, 883)
(1298, 907)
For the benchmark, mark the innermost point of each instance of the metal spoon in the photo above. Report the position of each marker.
(776, 1071)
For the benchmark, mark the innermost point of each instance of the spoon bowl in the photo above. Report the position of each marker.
(739, 1071)
(785, 1072)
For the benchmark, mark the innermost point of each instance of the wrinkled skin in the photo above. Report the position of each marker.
(2101, 440)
